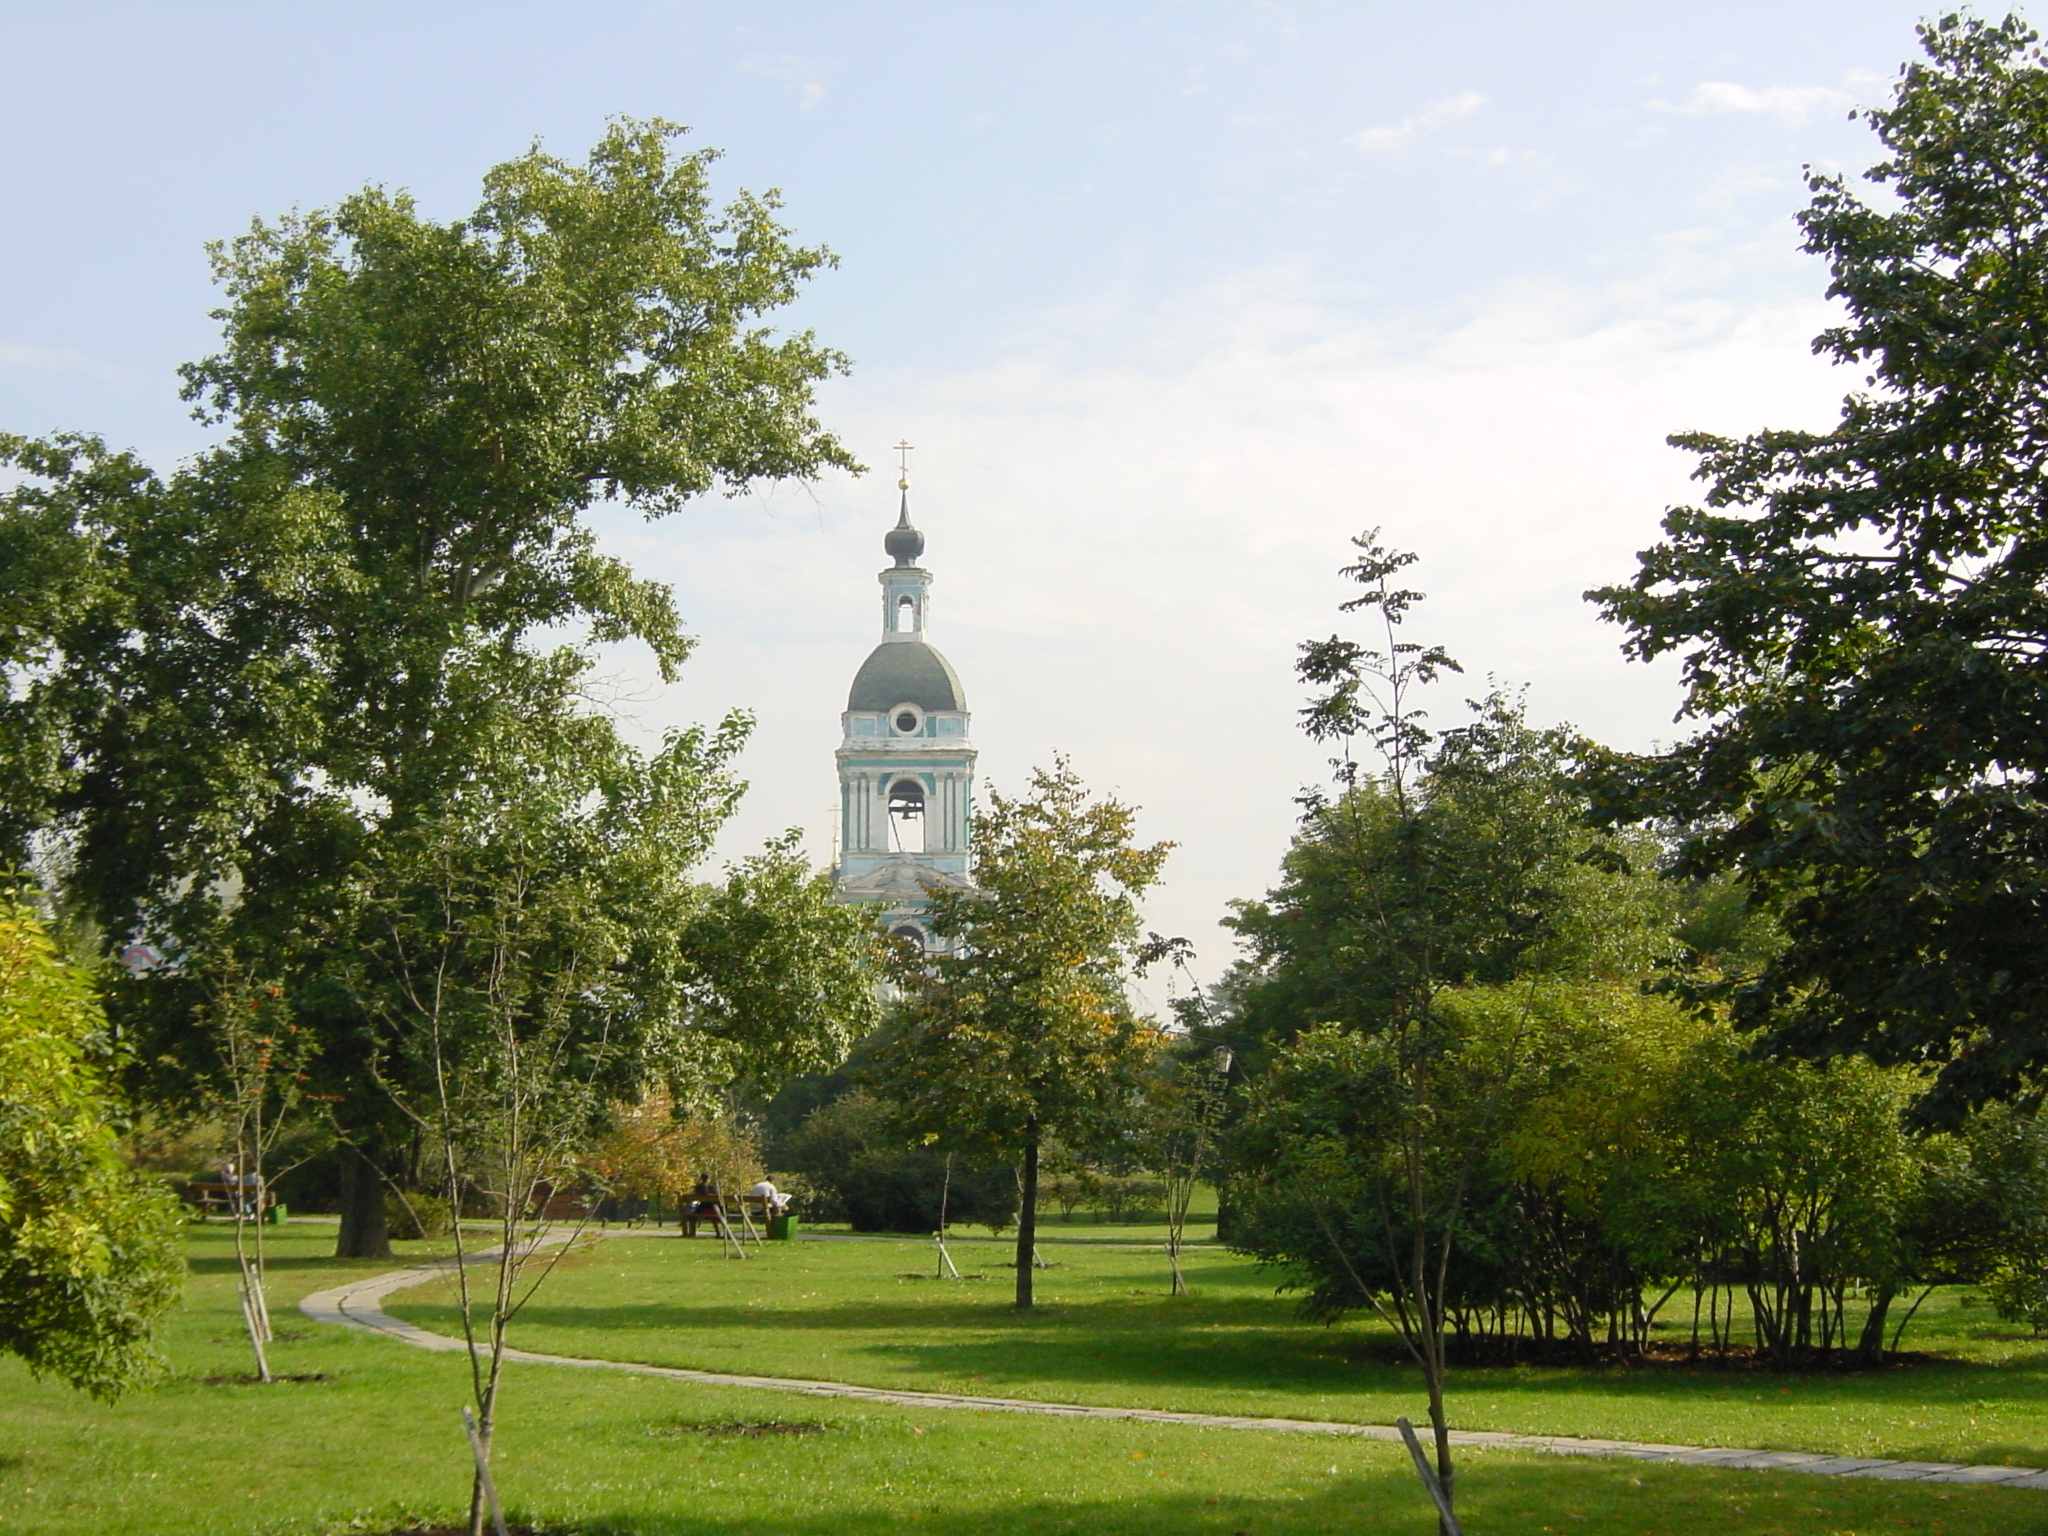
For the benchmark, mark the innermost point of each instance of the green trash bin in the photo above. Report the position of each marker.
(781, 1228)
(277, 1215)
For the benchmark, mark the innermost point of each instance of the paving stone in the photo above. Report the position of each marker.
(1772, 1461)
(1908, 1471)
(1984, 1474)
(1837, 1466)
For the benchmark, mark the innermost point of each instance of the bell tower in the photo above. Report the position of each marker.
(906, 767)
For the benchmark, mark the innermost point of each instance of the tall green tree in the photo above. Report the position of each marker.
(1862, 617)
(233, 684)
(1478, 868)
(1436, 860)
(1018, 1028)
(536, 954)
(88, 1249)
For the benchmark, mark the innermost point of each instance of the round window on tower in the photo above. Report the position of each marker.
(908, 719)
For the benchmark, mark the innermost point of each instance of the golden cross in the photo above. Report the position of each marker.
(903, 452)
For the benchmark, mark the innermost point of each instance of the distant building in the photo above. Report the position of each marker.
(906, 768)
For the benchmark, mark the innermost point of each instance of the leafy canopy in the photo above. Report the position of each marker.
(1862, 614)
(243, 697)
(88, 1250)
(1018, 1029)
(1478, 868)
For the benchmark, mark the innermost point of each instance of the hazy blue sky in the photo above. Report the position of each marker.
(1171, 297)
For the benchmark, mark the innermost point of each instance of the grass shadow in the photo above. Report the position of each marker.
(1233, 1345)
(1512, 1497)
(308, 1264)
(1106, 1353)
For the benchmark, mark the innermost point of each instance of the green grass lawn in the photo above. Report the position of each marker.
(379, 1442)
(1107, 1332)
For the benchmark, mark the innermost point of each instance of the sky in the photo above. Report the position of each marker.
(1171, 299)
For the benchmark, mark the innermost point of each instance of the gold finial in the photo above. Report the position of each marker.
(903, 452)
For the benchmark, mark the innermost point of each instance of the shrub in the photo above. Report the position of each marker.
(88, 1247)
(2019, 1291)
(414, 1215)
(1070, 1192)
(864, 1174)
(1131, 1200)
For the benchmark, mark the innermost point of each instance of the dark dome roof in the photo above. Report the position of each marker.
(905, 672)
(903, 542)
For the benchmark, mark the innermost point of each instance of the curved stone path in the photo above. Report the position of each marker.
(359, 1304)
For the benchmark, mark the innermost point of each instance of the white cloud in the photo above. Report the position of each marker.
(802, 78)
(1375, 141)
(1789, 104)
(1129, 541)
(1502, 155)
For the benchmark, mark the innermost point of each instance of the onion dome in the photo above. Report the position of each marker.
(904, 543)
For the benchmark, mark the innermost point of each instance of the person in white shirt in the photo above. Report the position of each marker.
(773, 1201)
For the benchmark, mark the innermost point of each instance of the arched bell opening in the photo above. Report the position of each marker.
(906, 816)
(908, 933)
(906, 615)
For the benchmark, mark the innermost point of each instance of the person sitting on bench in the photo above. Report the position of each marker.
(765, 1198)
(705, 1205)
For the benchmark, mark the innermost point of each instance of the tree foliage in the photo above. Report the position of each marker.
(1481, 869)
(1619, 1148)
(88, 1250)
(534, 953)
(1862, 617)
(656, 1149)
(1018, 1029)
(859, 1167)
(240, 692)
(1996, 1205)
(1438, 862)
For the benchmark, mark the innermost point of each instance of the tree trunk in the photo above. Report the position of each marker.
(1870, 1346)
(1226, 1214)
(1027, 1224)
(364, 1234)
(1440, 1427)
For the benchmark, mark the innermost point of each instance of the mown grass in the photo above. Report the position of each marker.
(1107, 1332)
(379, 1442)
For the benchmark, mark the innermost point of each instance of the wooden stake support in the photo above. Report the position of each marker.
(483, 1472)
(1447, 1521)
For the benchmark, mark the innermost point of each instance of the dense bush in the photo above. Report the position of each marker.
(412, 1215)
(1994, 1216)
(1106, 1197)
(88, 1247)
(1613, 1152)
(861, 1173)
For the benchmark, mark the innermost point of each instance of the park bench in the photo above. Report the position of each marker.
(710, 1216)
(209, 1195)
(734, 1214)
(768, 1219)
